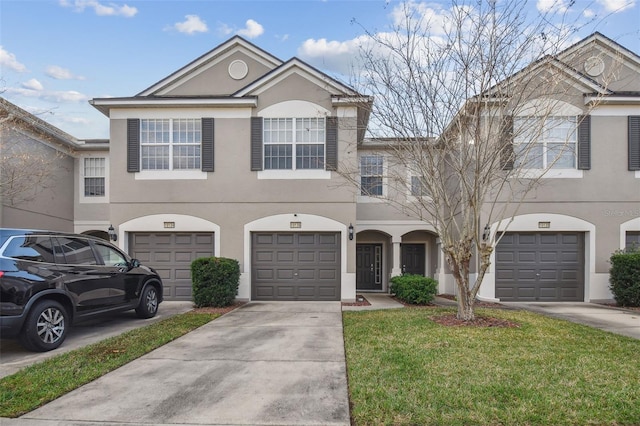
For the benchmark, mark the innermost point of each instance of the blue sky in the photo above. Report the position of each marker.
(56, 55)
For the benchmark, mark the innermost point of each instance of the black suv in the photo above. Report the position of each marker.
(50, 279)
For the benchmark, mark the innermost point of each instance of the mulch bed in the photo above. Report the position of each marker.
(450, 320)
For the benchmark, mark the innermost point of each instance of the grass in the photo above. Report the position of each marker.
(404, 368)
(43, 382)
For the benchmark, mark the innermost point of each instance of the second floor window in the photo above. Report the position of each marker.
(545, 143)
(94, 177)
(371, 172)
(294, 143)
(418, 187)
(170, 144)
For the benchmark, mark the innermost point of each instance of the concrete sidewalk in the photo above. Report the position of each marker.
(265, 363)
(615, 320)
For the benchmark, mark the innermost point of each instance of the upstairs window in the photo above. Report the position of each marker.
(545, 143)
(371, 174)
(418, 187)
(294, 143)
(170, 144)
(95, 172)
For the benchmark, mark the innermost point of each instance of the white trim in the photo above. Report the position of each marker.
(546, 107)
(83, 199)
(615, 110)
(168, 113)
(170, 175)
(298, 174)
(637, 174)
(550, 174)
(615, 100)
(630, 225)
(155, 223)
(309, 223)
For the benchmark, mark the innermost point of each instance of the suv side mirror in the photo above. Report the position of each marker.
(135, 263)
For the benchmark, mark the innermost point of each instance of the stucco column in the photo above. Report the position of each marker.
(396, 269)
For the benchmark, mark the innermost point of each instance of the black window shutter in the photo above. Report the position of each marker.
(133, 145)
(634, 142)
(256, 143)
(207, 144)
(506, 141)
(584, 142)
(331, 143)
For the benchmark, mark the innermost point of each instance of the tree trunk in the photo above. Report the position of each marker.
(465, 306)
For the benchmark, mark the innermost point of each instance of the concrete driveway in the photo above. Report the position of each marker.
(619, 321)
(264, 363)
(13, 356)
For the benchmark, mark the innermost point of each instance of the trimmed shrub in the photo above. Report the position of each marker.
(624, 277)
(215, 281)
(414, 289)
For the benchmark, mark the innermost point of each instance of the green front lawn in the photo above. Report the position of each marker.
(404, 368)
(43, 382)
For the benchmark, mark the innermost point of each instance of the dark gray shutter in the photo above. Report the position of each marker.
(256, 143)
(507, 156)
(634, 142)
(584, 142)
(331, 143)
(207, 144)
(133, 145)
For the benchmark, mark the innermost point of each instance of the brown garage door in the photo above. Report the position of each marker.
(171, 254)
(542, 266)
(295, 266)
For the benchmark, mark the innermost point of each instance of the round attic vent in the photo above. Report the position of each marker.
(594, 66)
(238, 69)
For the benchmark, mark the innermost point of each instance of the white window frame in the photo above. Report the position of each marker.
(545, 171)
(171, 145)
(373, 198)
(292, 140)
(84, 199)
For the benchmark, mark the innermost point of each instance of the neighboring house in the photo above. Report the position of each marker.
(235, 155)
(42, 176)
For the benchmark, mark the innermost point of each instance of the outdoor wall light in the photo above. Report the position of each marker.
(486, 233)
(112, 233)
(350, 231)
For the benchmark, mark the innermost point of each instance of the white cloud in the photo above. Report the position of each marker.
(60, 73)
(191, 25)
(617, 5)
(553, 6)
(33, 84)
(251, 30)
(337, 56)
(224, 29)
(100, 9)
(429, 15)
(9, 60)
(588, 13)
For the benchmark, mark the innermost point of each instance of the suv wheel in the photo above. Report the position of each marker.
(148, 306)
(45, 327)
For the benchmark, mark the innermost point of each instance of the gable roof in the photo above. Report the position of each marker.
(295, 65)
(605, 42)
(209, 59)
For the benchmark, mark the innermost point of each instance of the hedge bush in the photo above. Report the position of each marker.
(624, 277)
(215, 281)
(414, 289)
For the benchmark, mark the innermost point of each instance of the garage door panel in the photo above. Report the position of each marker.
(307, 256)
(554, 266)
(305, 266)
(171, 254)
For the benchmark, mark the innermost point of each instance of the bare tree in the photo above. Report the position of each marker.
(30, 155)
(459, 98)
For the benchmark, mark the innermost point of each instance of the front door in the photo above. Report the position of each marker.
(368, 266)
(413, 256)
